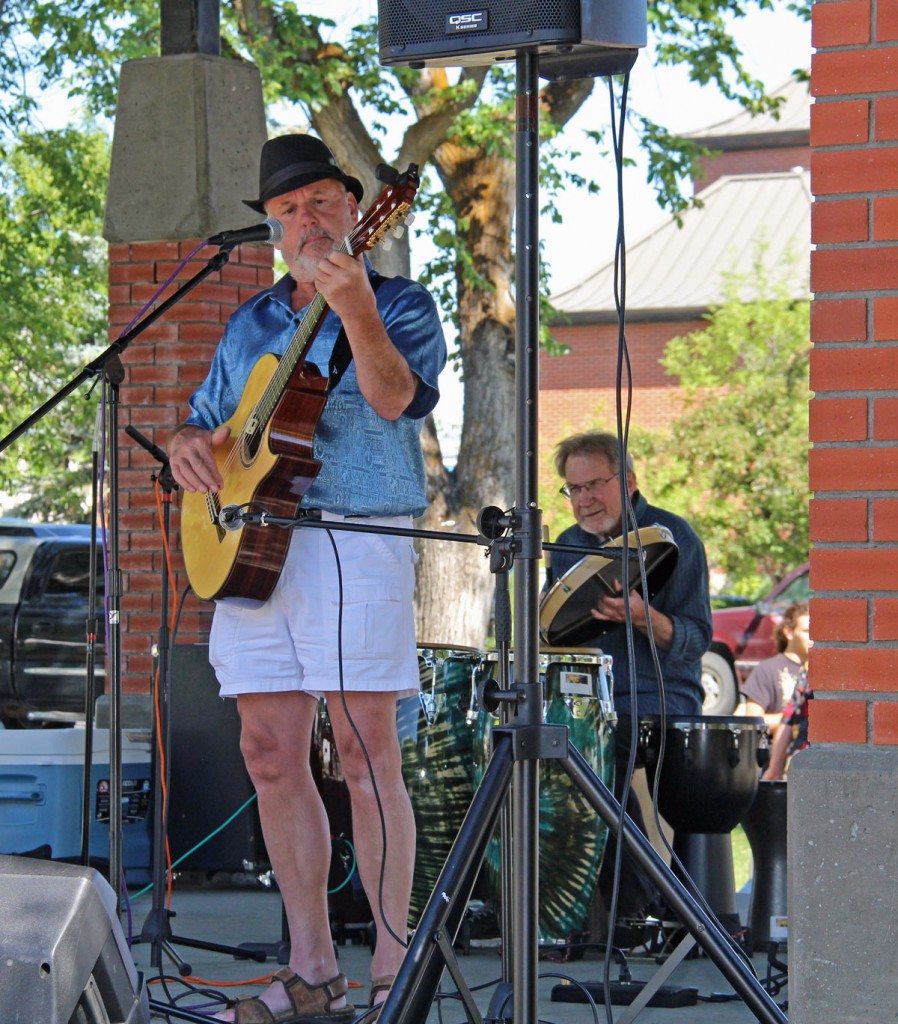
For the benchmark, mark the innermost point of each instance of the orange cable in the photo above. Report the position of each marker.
(263, 980)
(160, 746)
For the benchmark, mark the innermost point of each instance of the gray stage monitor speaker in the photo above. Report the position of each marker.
(63, 957)
(574, 38)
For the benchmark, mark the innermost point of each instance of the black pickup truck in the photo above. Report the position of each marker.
(44, 601)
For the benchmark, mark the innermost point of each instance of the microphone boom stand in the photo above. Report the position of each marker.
(157, 925)
(103, 368)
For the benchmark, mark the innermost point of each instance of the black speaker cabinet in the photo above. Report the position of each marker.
(209, 781)
(64, 957)
(574, 38)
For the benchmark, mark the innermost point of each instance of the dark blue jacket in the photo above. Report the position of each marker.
(683, 599)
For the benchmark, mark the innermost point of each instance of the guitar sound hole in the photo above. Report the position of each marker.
(249, 448)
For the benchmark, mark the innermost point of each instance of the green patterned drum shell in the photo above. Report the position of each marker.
(436, 735)
(572, 837)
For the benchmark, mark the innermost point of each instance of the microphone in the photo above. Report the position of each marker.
(270, 230)
(230, 517)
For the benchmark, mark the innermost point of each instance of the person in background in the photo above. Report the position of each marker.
(679, 616)
(772, 682)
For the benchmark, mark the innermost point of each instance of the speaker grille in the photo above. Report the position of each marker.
(424, 28)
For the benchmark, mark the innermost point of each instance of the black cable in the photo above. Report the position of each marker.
(623, 361)
(629, 519)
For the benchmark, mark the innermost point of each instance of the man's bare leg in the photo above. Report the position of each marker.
(374, 716)
(276, 731)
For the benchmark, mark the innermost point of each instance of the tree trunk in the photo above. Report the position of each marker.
(455, 587)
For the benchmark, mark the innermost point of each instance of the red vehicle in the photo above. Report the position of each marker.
(743, 636)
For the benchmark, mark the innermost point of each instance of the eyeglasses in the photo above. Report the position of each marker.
(575, 490)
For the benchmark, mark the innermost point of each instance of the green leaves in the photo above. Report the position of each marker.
(735, 462)
(53, 317)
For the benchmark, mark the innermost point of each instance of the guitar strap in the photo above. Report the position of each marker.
(341, 356)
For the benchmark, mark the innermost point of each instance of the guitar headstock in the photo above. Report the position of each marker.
(387, 213)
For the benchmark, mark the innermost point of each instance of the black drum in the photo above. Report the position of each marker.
(765, 824)
(708, 781)
(711, 768)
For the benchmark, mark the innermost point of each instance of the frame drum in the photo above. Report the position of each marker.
(565, 612)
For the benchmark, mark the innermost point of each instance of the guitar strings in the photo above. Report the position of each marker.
(296, 348)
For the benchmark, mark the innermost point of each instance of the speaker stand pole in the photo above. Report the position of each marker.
(518, 748)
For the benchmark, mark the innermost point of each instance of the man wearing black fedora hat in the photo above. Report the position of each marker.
(339, 622)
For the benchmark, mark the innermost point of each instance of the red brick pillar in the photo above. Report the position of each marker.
(163, 366)
(843, 831)
(854, 373)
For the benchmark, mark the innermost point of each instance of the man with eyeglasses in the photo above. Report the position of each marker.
(679, 614)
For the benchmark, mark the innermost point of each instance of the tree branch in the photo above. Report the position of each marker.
(437, 104)
(561, 100)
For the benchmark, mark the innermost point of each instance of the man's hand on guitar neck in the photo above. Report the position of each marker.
(191, 455)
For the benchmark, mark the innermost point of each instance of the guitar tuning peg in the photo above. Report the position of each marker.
(399, 231)
(410, 218)
(387, 244)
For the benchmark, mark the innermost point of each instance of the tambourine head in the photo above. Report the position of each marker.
(565, 616)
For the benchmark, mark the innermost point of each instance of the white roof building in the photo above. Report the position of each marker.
(675, 272)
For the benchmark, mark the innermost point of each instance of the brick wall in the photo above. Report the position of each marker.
(854, 372)
(162, 367)
(750, 161)
(577, 389)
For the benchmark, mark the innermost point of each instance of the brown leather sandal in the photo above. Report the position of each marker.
(378, 985)
(310, 1004)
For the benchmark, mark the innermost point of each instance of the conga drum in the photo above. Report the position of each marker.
(707, 783)
(765, 824)
(571, 835)
(436, 735)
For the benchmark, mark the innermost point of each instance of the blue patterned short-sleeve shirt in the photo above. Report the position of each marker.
(369, 465)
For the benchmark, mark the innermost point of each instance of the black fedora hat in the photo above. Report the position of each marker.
(291, 161)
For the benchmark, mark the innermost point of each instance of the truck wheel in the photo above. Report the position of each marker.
(719, 684)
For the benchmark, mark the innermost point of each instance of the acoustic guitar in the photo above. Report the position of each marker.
(267, 462)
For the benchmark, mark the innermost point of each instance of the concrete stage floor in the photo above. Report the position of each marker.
(234, 915)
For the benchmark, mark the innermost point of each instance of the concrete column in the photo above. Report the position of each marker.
(185, 153)
(843, 877)
(188, 133)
